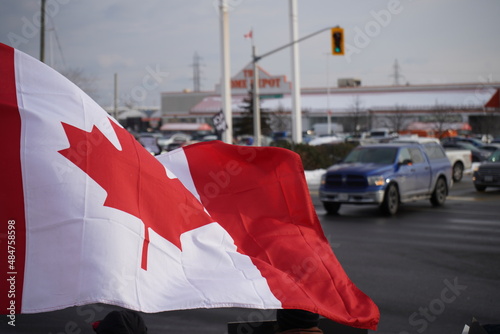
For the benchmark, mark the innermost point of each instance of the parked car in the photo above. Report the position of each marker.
(478, 154)
(485, 138)
(380, 135)
(473, 141)
(166, 142)
(173, 146)
(387, 175)
(487, 174)
(491, 147)
(149, 142)
(326, 140)
(356, 137)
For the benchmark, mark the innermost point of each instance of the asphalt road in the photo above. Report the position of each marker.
(430, 270)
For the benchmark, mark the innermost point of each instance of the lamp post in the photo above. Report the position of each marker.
(296, 103)
(226, 69)
(42, 31)
(256, 100)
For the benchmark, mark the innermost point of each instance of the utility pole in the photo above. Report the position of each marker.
(42, 31)
(226, 69)
(115, 108)
(296, 103)
(328, 111)
(256, 108)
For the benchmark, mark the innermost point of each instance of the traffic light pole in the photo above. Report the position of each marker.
(255, 87)
(257, 58)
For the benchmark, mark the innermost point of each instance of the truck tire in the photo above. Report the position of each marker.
(331, 208)
(480, 188)
(390, 205)
(440, 192)
(458, 171)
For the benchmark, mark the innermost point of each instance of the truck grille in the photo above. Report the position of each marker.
(347, 180)
(491, 171)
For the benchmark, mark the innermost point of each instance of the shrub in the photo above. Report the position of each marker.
(318, 157)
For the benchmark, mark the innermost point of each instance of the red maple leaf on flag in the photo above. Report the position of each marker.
(136, 183)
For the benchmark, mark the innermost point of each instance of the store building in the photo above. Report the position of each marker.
(350, 104)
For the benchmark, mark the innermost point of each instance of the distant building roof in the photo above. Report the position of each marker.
(131, 113)
(212, 104)
(345, 100)
(338, 100)
(185, 127)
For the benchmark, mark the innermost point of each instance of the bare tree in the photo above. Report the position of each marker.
(442, 116)
(280, 120)
(83, 81)
(357, 116)
(397, 119)
(129, 103)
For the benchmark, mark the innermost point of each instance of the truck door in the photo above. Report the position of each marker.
(421, 170)
(406, 174)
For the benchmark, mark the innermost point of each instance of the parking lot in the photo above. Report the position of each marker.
(430, 270)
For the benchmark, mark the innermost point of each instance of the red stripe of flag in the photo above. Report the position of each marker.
(260, 196)
(12, 216)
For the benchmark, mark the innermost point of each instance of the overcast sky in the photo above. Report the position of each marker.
(151, 43)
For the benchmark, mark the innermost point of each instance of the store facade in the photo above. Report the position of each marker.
(353, 109)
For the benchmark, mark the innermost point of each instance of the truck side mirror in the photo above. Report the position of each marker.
(406, 162)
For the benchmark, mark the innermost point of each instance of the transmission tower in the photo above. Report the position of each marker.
(196, 72)
(397, 74)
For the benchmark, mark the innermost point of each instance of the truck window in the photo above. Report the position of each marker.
(404, 154)
(378, 155)
(416, 155)
(434, 151)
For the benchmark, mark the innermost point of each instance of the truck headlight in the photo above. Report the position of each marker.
(323, 179)
(376, 180)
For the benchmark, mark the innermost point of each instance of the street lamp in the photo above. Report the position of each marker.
(256, 100)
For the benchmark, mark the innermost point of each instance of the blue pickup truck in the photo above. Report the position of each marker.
(388, 175)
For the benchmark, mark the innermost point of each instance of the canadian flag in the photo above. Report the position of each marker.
(249, 34)
(88, 215)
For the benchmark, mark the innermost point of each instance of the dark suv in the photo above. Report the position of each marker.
(487, 174)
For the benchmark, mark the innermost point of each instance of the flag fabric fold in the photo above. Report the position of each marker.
(90, 216)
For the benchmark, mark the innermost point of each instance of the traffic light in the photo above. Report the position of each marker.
(337, 41)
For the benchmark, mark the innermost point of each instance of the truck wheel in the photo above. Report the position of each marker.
(440, 192)
(480, 188)
(331, 208)
(458, 171)
(390, 205)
